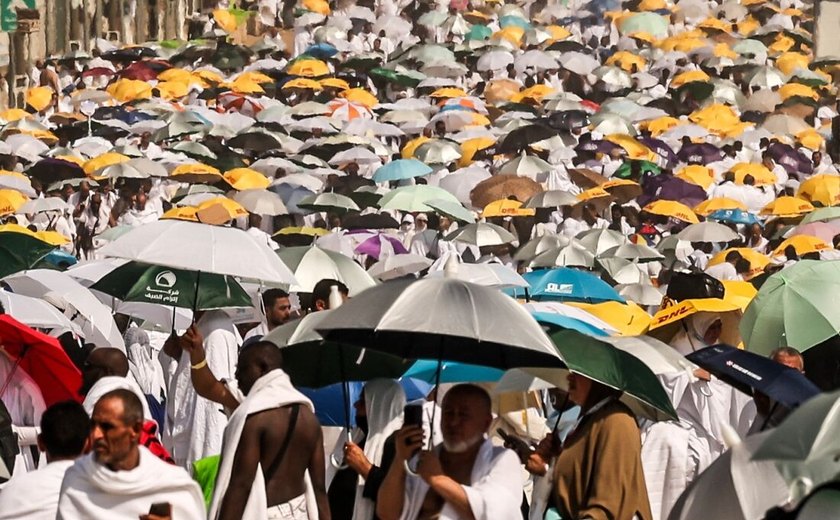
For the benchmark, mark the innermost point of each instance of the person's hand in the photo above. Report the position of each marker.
(354, 457)
(407, 442)
(193, 342)
(702, 374)
(536, 465)
(429, 466)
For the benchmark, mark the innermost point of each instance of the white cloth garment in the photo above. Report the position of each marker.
(294, 509)
(143, 364)
(26, 404)
(495, 489)
(690, 336)
(91, 490)
(194, 426)
(33, 495)
(384, 403)
(273, 390)
(109, 384)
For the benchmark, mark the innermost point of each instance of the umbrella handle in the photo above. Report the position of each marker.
(339, 465)
(411, 471)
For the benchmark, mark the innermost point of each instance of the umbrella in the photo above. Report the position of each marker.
(201, 247)
(453, 210)
(708, 232)
(329, 202)
(520, 138)
(672, 209)
(750, 372)
(414, 198)
(450, 372)
(710, 206)
(525, 166)
(641, 293)
(539, 245)
(503, 187)
(481, 234)
(380, 246)
(20, 251)
(438, 151)
(823, 189)
(261, 202)
(551, 199)
(565, 284)
(571, 255)
(36, 313)
(486, 274)
(463, 322)
(137, 282)
(786, 207)
(397, 266)
(631, 251)
(734, 216)
(401, 169)
(42, 358)
(312, 264)
(794, 307)
(822, 215)
(600, 240)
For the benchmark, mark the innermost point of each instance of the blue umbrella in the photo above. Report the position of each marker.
(401, 169)
(329, 403)
(415, 389)
(291, 196)
(565, 284)
(451, 372)
(748, 371)
(60, 259)
(515, 21)
(321, 50)
(734, 216)
(568, 323)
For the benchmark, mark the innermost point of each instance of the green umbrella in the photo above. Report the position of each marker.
(822, 215)
(697, 90)
(796, 307)
(312, 362)
(453, 210)
(139, 282)
(330, 202)
(623, 171)
(647, 22)
(19, 252)
(610, 366)
(414, 198)
(397, 77)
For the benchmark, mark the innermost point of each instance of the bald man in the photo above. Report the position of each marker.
(105, 370)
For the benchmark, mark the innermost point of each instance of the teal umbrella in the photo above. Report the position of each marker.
(452, 372)
(479, 32)
(647, 22)
(514, 21)
(19, 252)
(139, 282)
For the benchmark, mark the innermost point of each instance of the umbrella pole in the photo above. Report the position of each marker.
(345, 401)
(195, 297)
(438, 370)
(15, 366)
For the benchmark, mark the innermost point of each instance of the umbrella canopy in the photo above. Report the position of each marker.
(36, 313)
(794, 307)
(462, 322)
(414, 198)
(20, 250)
(708, 232)
(312, 264)
(201, 247)
(397, 266)
(481, 234)
(330, 202)
(42, 358)
(565, 284)
(401, 169)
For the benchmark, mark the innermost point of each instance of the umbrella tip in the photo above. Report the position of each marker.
(730, 436)
(335, 297)
(450, 268)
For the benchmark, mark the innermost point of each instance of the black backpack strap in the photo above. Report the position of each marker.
(288, 440)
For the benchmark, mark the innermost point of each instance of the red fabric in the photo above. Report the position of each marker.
(43, 359)
(149, 439)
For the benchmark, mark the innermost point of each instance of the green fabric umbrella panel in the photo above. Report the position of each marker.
(138, 282)
(19, 252)
(611, 366)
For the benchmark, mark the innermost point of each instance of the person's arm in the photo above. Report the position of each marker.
(389, 501)
(205, 383)
(448, 489)
(317, 471)
(245, 463)
(376, 474)
(355, 458)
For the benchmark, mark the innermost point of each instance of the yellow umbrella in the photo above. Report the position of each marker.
(173, 89)
(811, 139)
(317, 6)
(537, 93)
(39, 98)
(660, 125)
(715, 24)
(125, 90)
(593, 193)
(689, 77)
(16, 228)
(303, 83)
(557, 32)
(448, 92)
(681, 310)
(643, 36)
(501, 90)
(738, 292)
(672, 209)
(411, 146)
(72, 158)
(225, 19)
(787, 207)
(652, 5)
(255, 76)
(622, 190)
(360, 96)
(303, 230)
(506, 208)
(52, 238)
(697, 174)
(626, 60)
(196, 173)
(177, 74)
(11, 201)
(308, 68)
(634, 149)
(781, 44)
(14, 114)
(44, 135)
(717, 118)
(759, 172)
(722, 50)
(219, 210)
(627, 318)
(803, 244)
(511, 33)
(707, 207)
(472, 146)
(246, 179)
(798, 89)
(823, 189)
(758, 262)
(101, 161)
(209, 76)
(334, 83)
(248, 86)
(181, 213)
(790, 61)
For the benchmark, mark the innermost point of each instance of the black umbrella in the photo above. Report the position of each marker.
(370, 221)
(51, 170)
(128, 54)
(568, 119)
(567, 46)
(519, 139)
(256, 142)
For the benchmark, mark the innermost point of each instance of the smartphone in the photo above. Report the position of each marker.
(413, 415)
(522, 448)
(163, 509)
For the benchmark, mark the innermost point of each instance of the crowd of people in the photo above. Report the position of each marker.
(676, 153)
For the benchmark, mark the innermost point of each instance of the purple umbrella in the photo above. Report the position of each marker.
(791, 159)
(660, 148)
(699, 153)
(598, 146)
(379, 245)
(666, 187)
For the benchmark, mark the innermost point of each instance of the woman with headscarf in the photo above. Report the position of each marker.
(698, 331)
(598, 474)
(379, 414)
(146, 371)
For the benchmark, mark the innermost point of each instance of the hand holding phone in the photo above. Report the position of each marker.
(522, 448)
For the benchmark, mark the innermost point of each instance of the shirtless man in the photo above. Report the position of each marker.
(262, 443)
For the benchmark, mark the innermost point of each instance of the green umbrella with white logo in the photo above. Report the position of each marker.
(139, 282)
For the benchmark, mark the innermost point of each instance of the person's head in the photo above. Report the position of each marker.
(95, 201)
(116, 423)
(254, 220)
(381, 401)
(277, 307)
(816, 158)
(789, 357)
(65, 431)
(255, 361)
(321, 294)
(140, 200)
(755, 230)
(84, 187)
(706, 326)
(749, 180)
(729, 176)
(742, 266)
(466, 416)
(102, 362)
(586, 393)
(732, 257)
(440, 128)
(421, 221)
(790, 253)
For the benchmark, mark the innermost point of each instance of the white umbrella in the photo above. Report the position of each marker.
(41, 205)
(660, 357)
(481, 234)
(461, 182)
(572, 255)
(630, 251)
(538, 245)
(570, 312)
(494, 60)
(578, 62)
(535, 59)
(641, 293)
(13, 182)
(600, 240)
(525, 166)
(488, 275)
(312, 264)
(261, 202)
(356, 155)
(37, 314)
(707, 232)
(201, 247)
(397, 266)
(551, 199)
(623, 271)
(77, 302)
